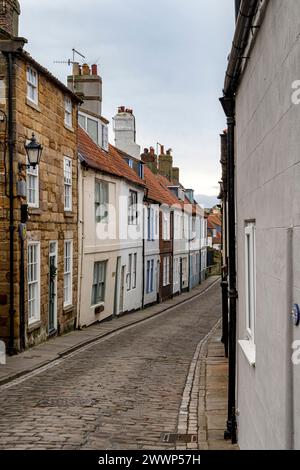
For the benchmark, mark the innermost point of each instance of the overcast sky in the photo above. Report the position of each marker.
(166, 59)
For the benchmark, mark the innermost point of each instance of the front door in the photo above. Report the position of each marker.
(181, 274)
(52, 320)
(122, 286)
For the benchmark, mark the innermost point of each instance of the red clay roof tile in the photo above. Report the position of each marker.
(110, 162)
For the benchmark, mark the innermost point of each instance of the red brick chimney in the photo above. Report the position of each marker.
(150, 159)
(165, 163)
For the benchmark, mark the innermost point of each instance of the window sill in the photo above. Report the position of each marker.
(69, 128)
(249, 350)
(33, 105)
(69, 214)
(101, 304)
(34, 326)
(34, 211)
(68, 309)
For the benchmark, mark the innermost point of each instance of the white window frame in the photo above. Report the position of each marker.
(68, 172)
(132, 271)
(150, 223)
(134, 268)
(166, 271)
(132, 207)
(102, 129)
(100, 281)
(150, 276)
(104, 137)
(101, 205)
(250, 279)
(68, 111)
(32, 85)
(68, 274)
(166, 225)
(32, 174)
(36, 280)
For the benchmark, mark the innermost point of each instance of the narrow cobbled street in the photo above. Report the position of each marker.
(121, 393)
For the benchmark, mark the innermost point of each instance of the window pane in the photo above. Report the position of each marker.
(98, 288)
(92, 129)
(82, 121)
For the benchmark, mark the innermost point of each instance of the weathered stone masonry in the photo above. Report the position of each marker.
(49, 222)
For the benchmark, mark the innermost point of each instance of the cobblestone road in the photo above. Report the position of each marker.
(122, 393)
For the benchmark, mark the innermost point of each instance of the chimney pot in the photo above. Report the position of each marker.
(162, 149)
(121, 109)
(94, 69)
(152, 150)
(146, 150)
(76, 69)
(86, 69)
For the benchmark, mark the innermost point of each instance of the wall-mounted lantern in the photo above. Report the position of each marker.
(33, 152)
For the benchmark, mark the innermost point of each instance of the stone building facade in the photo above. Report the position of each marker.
(44, 269)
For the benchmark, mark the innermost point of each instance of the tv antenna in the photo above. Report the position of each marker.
(71, 62)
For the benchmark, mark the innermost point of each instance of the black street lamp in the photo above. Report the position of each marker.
(33, 152)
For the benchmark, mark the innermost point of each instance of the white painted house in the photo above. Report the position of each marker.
(263, 108)
(110, 223)
(110, 233)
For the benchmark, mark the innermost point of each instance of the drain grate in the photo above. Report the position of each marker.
(66, 402)
(172, 438)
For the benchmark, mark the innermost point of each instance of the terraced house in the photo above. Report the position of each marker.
(110, 224)
(38, 195)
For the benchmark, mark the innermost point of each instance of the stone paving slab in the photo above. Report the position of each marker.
(59, 346)
(212, 413)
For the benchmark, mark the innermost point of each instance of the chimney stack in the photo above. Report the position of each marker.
(9, 18)
(175, 175)
(86, 82)
(150, 159)
(125, 132)
(165, 163)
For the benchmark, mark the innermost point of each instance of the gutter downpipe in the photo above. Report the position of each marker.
(11, 349)
(247, 11)
(230, 432)
(224, 282)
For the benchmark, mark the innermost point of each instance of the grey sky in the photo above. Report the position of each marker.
(166, 59)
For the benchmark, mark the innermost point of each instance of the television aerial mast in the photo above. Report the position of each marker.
(71, 62)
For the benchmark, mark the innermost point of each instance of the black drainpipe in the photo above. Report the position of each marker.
(228, 104)
(224, 283)
(11, 349)
(22, 296)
